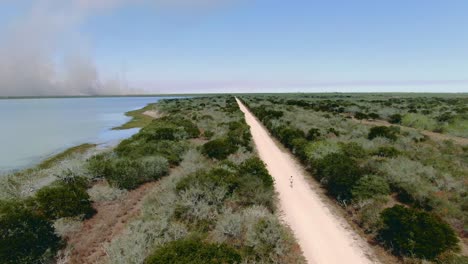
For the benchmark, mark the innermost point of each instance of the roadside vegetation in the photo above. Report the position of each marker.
(406, 191)
(218, 203)
(214, 201)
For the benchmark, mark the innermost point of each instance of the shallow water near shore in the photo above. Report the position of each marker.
(35, 129)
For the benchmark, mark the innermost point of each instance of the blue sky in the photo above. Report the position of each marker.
(360, 45)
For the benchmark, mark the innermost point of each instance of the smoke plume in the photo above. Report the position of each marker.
(41, 51)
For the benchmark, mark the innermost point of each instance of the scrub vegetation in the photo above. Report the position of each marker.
(405, 190)
(139, 118)
(218, 203)
(214, 201)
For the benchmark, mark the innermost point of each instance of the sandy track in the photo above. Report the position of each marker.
(323, 236)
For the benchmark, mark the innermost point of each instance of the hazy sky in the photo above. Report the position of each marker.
(93, 46)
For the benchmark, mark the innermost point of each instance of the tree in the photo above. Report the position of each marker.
(412, 232)
(219, 148)
(395, 119)
(370, 186)
(25, 236)
(382, 131)
(63, 199)
(340, 173)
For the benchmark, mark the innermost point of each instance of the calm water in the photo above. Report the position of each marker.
(34, 129)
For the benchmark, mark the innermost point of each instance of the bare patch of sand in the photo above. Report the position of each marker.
(153, 113)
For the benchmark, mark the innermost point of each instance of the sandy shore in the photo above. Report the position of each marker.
(323, 236)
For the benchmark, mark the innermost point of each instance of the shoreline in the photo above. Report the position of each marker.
(138, 119)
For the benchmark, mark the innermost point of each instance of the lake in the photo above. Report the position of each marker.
(35, 129)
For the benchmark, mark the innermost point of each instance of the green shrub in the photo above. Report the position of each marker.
(318, 149)
(100, 165)
(286, 135)
(383, 131)
(370, 186)
(128, 173)
(332, 130)
(374, 116)
(360, 116)
(208, 134)
(165, 133)
(395, 119)
(125, 173)
(171, 150)
(154, 167)
(64, 199)
(219, 148)
(419, 121)
(339, 172)
(411, 232)
(313, 134)
(217, 177)
(189, 127)
(193, 251)
(387, 152)
(299, 148)
(25, 237)
(353, 150)
(255, 167)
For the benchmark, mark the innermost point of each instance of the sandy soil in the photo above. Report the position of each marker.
(109, 221)
(432, 135)
(153, 113)
(323, 236)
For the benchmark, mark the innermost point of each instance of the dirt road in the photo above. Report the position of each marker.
(323, 236)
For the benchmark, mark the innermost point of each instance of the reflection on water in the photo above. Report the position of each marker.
(34, 129)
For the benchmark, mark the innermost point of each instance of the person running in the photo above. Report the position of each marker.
(291, 181)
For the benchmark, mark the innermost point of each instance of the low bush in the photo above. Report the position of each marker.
(395, 119)
(214, 178)
(219, 148)
(165, 133)
(25, 236)
(64, 199)
(129, 173)
(318, 149)
(374, 116)
(100, 165)
(299, 148)
(370, 186)
(208, 134)
(339, 172)
(360, 116)
(287, 135)
(255, 184)
(353, 150)
(194, 251)
(410, 232)
(387, 152)
(254, 167)
(153, 167)
(313, 134)
(383, 131)
(171, 150)
(419, 121)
